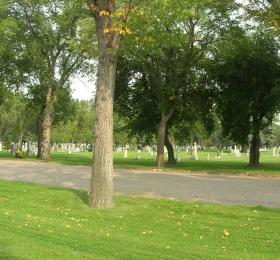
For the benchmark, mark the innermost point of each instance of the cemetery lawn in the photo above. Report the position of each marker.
(228, 164)
(39, 222)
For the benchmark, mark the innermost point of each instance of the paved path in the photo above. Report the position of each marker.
(208, 188)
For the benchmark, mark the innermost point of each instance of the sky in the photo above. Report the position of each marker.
(82, 88)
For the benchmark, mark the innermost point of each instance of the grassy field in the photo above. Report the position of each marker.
(51, 223)
(227, 164)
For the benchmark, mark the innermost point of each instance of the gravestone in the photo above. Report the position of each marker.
(194, 152)
(235, 150)
(274, 151)
(126, 151)
(238, 154)
(138, 155)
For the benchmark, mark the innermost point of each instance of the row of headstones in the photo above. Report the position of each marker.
(276, 151)
(152, 151)
(32, 148)
(71, 147)
(27, 147)
(236, 151)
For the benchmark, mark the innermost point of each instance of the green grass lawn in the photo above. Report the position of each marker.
(51, 223)
(227, 164)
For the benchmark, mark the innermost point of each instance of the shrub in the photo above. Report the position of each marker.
(20, 154)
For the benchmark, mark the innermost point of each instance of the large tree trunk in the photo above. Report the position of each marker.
(46, 127)
(101, 192)
(101, 188)
(161, 138)
(255, 149)
(170, 150)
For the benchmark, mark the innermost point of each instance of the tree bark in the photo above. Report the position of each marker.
(39, 136)
(170, 150)
(46, 127)
(101, 186)
(101, 192)
(39, 152)
(255, 149)
(161, 138)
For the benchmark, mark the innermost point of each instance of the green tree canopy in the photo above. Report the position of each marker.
(247, 78)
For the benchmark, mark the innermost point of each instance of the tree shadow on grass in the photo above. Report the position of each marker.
(83, 195)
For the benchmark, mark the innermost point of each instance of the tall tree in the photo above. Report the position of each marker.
(170, 47)
(248, 87)
(50, 36)
(111, 23)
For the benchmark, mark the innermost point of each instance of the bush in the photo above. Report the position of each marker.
(20, 154)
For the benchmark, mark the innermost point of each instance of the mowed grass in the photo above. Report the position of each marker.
(51, 223)
(226, 164)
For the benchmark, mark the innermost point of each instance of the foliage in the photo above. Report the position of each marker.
(78, 127)
(248, 84)
(20, 154)
(265, 11)
(14, 120)
(161, 62)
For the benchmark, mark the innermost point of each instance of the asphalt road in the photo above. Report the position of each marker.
(191, 187)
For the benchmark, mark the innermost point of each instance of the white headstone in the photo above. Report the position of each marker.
(194, 152)
(235, 150)
(126, 151)
(274, 151)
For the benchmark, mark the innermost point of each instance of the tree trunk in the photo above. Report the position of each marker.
(161, 138)
(101, 192)
(101, 188)
(39, 140)
(170, 150)
(39, 136)
(46, 127)
(255, 149)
